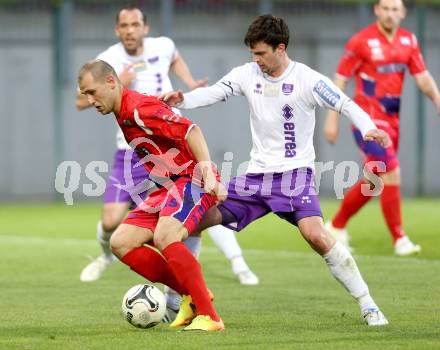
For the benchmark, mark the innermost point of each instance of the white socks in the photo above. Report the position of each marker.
(225, 240)
(239, 265)
(344, 269)
(104, 240)
(194, 244)
(172, 297)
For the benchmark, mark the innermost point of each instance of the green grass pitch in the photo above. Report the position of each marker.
(297, 305)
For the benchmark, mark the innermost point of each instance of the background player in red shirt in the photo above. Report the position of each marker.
(377, 56)
(171, 148)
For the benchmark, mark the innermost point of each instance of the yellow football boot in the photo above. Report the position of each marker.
(187, 311)
(204, 323)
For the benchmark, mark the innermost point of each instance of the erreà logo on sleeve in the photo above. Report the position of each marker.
(326, 93)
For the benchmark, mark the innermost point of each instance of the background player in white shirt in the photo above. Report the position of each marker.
(282, 96)
(142, 64)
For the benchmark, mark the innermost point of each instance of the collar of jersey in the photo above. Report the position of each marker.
(288, 70)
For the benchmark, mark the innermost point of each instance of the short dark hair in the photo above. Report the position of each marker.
(99, 70)
(377, 2)
(131, 8)
(269, 29)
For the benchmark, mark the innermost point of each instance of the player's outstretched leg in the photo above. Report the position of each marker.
(343, 267)
(186, 269)
(193, 243)
(226, 241)
(94, 270)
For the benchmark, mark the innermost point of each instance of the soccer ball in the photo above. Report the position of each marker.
(144, 306)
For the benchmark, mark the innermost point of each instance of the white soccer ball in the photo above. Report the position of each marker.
(144, 306)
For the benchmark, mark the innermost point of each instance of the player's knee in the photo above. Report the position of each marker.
(120, 245)
(168, 230)
(162, 239)
(116, 245)
(110, 223)
(318, 239)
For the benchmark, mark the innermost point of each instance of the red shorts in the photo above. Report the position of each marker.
(373, 152)
(183, 201)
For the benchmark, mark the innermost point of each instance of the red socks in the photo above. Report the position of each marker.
(352, 202)
(189, 274)
(148, 263)
(390, 202)
(179, 270)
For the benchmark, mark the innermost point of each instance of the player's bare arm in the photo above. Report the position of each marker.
(331, 124)
(428, 86)
(180, 68)
(199, 148)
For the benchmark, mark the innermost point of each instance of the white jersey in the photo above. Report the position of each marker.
(151, 69)
(282, 112)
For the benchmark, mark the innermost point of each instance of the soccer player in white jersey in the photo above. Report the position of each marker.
(142, 64)
(282, 96)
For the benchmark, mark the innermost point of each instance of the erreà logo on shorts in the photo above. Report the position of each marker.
(326, 93)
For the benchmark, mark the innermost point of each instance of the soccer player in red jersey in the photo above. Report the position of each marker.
(174, 152)
(378, 56)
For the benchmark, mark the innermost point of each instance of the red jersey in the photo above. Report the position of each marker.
(158, 134)
(379, 68)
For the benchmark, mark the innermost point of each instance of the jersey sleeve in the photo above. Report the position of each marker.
(202, 97)
(110, 57)
(324, 93)
(232, 82)
(416, 63)
(174, 52)
(229, 85)
(350, 60)
(170, 49)
(162, 121)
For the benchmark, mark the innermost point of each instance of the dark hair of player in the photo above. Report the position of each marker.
(131, 8)
(268, 29)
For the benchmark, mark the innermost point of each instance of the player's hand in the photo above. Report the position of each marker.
(380, 136)
(214, 187)
(127, 76)
(172, 98)
(199, 83)
(331, 127)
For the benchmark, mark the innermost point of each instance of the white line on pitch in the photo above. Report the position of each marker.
(13, 239)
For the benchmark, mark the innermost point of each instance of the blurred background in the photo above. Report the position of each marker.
(43, 44)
